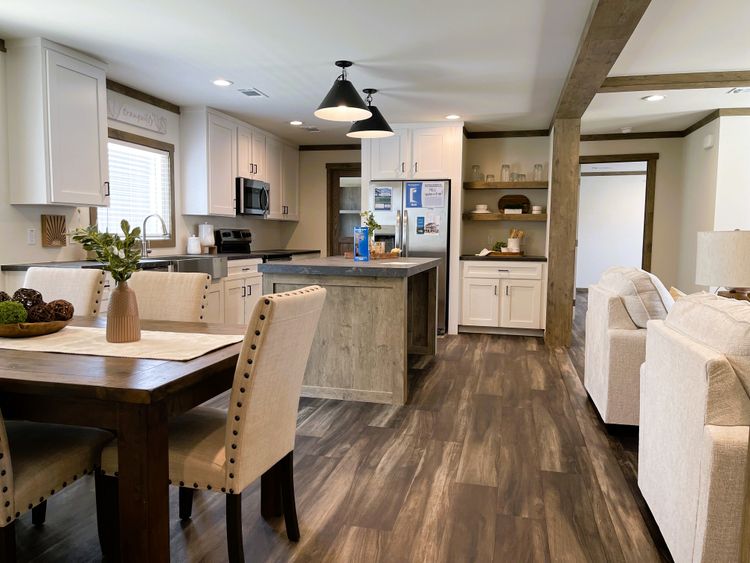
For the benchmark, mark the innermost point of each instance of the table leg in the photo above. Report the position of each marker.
(143, 483)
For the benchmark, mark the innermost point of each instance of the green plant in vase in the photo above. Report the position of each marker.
(120, 256)
(368, 220)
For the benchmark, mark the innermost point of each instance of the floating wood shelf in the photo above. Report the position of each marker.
(505, 217)
(349, 211)
(533, 185)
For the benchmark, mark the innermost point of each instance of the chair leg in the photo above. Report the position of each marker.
(39, 513)
(234, 528)
(270, 493)
(186, 503)
(108, 515)
(8, 543)
(286, 475)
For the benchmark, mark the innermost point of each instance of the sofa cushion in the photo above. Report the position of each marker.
(638, 293)
(718, 322)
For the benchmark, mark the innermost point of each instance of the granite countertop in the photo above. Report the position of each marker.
(505, 258)
(340, 266)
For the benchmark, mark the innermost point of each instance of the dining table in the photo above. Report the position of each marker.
(134, 398)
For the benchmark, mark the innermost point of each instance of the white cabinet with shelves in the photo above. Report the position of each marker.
(417, 152)
(57, 122)
(505, 295)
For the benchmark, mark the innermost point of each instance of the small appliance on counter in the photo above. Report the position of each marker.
(252, 197)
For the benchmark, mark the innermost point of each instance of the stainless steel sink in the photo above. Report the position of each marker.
(215, 266)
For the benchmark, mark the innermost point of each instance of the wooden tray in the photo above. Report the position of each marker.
(27, 330)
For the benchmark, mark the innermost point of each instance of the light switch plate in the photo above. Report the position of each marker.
(31, 236)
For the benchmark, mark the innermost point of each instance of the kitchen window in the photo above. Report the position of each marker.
(141, 182)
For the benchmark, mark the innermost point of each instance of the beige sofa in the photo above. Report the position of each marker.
(619, 306)
(694, 418)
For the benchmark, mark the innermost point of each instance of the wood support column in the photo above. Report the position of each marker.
(563, 223)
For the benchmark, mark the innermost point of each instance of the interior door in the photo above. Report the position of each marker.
(480, 305)
(344, 201)
(520, 303)
(77, 131)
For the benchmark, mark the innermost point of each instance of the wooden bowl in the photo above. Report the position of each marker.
(26, 330)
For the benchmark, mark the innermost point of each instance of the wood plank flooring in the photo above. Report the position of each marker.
(498, 457)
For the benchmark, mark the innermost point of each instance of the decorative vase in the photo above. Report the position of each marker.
(123, 322)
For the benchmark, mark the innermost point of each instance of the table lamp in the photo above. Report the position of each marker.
(723, 260)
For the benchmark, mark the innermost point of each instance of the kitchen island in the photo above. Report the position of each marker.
(376, 314)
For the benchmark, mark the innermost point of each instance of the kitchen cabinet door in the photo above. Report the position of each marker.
(274, 179)
(389, 157)
(259, 157)
(253, 293)
(520, 304)
(430, 153)
(290, 182)
(245, 152)
(234, 301)
(480, 305)
(214, 311)
(222, 163)
(77, 114)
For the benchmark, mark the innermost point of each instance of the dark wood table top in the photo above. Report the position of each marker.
(125, 380)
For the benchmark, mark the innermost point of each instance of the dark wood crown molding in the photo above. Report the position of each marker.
(505, 134)
(681, 81)
(601, 158)
(142, 96)
(350, 147)
(636, 135)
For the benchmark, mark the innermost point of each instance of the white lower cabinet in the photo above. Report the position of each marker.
(502, 294)
(240, 296)
(214, 312)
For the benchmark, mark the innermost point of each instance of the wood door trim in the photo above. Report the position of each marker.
(610, 24)
(334, 172)
(648, 205)
(142, 96)
(676, 81)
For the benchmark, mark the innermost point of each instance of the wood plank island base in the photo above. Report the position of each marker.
(376, 314)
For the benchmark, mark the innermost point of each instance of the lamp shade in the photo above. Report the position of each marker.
(723, 259)
(376, 127)
(342, 103)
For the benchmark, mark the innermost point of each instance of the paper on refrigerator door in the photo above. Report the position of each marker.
(433, 194)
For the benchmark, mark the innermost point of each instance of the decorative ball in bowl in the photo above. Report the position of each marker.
(26, 314)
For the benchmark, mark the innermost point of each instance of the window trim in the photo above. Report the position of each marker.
(118, 135)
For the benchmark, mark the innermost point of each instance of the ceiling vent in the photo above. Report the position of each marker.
(742, 90)
(252, 93)
(310, 128)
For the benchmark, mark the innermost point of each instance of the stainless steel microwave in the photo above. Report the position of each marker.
(252, 197)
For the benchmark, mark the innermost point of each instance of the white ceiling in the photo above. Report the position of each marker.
(498, 64)
(608, 113)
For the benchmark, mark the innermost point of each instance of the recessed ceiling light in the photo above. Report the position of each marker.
(222, 82)
(296, 123)
(626, 129)
(653, 98)
(452, 116)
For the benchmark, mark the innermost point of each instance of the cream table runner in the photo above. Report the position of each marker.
(155, 345)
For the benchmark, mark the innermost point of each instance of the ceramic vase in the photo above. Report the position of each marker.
(123, 322)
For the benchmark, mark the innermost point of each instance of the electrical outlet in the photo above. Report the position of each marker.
(31, 236)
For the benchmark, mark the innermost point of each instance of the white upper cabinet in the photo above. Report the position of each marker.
(273, 176)
(430, 153)
(221, 166)
(389, 157)
(411, 153)
(259, 157)
(57, 123)
(245, 168)
(290, 181)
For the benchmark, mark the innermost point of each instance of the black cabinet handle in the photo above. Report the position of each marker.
(249, 289)
(244, 294)
(106, 189)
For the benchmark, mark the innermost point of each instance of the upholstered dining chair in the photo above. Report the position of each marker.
(216, 450)
(171, 296)
(36, 461)
(82, 287)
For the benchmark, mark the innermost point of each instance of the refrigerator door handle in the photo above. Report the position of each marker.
(406, 233)
(398, 229)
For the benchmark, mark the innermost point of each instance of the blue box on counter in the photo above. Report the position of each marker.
(361, 244)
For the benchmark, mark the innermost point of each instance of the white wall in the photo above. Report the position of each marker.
(668, 197)
(521, 153)
(732, 207)
(310, 232)
(610, 225)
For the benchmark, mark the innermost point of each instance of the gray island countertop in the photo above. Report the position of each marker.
(340, 266)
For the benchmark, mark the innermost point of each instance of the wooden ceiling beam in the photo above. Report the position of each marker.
(681, 81)
(610, 25)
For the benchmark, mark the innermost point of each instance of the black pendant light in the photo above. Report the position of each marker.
(375, 127)
(342, 102)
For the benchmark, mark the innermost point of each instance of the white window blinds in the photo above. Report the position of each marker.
(139, 182)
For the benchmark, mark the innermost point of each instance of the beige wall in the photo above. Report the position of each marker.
(521, 153)
(310, 232)
(667, 205)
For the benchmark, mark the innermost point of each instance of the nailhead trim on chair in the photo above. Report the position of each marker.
(205, 296)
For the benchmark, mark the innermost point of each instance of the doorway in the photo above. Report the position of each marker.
(615, 214)
(344, 206)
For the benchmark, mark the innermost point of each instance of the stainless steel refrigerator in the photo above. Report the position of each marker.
(415, 217)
